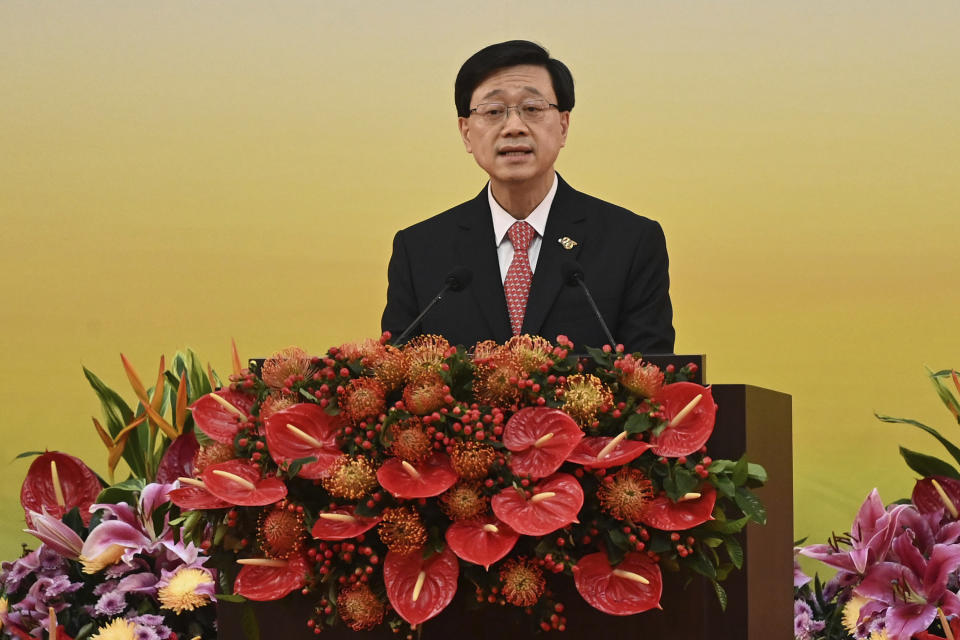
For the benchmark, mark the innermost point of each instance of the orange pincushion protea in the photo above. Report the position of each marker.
(389, 366)
(522, 582)
(425, 394)
(278, 368)
(212, 453)
(495, 381)
(363, 399)
(275, 403)
(484, 350)
(626, 495)
(464, 501)
(530, 352)
(425, 354)
(350, 478)
(358, 350)
(583, 397)
(280, 533)
(472, 460)
(410, 441)
(642, 379)
(359, 608)
(402, 530)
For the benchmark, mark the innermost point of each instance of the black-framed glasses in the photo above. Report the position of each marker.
(528, 110)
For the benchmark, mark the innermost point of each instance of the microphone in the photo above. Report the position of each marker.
(457, 280)
(572, 274)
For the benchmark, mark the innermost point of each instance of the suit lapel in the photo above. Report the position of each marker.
(564, 221)
(478, 251)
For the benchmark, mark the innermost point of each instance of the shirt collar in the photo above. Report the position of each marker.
(502, 221)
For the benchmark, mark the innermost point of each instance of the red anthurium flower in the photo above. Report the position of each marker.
(540, 439)
(482, 541)
(954, 629)
(304, 431)
(220, 419)
(195, 496)
(690, 413)
(265, 580)
(426, 479)
(341, 524)
(177, 461)
(691, 510)
(59, 482)
(590, 449)
(420, 588)
(239, 483)
(554, 503)
(631, 587)
(928, 498)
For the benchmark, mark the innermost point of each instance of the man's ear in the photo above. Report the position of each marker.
(564, 126)
(464, 124)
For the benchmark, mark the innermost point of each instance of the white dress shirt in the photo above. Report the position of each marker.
(502, 221)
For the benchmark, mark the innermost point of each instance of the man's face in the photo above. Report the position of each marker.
(514, 151)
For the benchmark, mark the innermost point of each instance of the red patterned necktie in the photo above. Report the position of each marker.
(516, 285)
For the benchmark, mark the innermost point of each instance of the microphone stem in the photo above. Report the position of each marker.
(416, 322)
(596, 311)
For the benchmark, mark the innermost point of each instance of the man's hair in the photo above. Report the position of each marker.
(485, 62)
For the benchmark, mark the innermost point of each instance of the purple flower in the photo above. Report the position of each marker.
(912, 590)
(145, 633)
(111, 604)
(105, 586)
(799, 577)
(804, 624)
(870, 538)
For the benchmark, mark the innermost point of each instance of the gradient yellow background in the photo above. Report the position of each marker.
(179, 174)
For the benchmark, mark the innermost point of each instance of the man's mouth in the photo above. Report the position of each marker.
(514, 151)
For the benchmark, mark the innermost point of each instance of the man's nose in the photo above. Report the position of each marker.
(513, 122)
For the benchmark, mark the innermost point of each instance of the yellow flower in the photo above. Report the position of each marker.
(111, 555)
(180, 594)
(851, 613)
(118, 629)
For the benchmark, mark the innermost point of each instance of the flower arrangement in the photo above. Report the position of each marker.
(898, 569)
(110, 566)
(380, 480)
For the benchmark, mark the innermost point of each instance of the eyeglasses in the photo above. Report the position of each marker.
(528, 110)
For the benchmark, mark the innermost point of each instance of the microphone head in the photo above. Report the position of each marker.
(572, 272)
(458, 278)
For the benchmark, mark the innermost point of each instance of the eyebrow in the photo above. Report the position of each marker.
(496, 92)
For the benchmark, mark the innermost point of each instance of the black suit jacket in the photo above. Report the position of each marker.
(623, 255)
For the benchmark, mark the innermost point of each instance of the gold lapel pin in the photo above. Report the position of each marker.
(567, 243)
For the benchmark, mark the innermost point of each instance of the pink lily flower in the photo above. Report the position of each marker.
(910, 592)
(55, 534)
(869, 541)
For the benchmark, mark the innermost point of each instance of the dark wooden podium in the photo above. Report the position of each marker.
(750, 419)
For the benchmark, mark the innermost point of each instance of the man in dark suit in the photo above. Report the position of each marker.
(514, 103)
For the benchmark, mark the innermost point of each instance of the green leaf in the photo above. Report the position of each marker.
(306, 393)
(730, 526)
(949, 446)
(28, 454)
(699, 563)
(750, 505)
(757, 472)
(680, 482)
(601, 358)
(637, 423)
(230, 597)
(721, 594)
(740, 470)
(928, 465)
(724, 485)
(248, 622)
(734, 550)
(126, 491)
